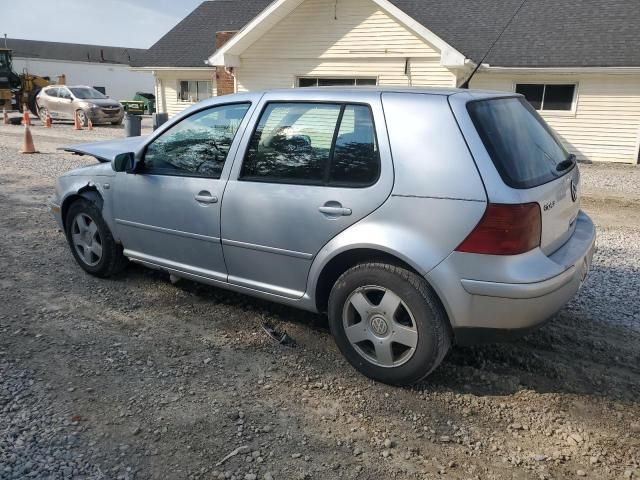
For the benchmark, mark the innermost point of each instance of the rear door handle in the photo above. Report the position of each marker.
(335, 211)
(205, 197)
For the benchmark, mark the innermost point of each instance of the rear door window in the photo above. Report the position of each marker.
(314, 144)
(523, 148)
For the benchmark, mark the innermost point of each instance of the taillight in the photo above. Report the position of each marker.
(505, 230)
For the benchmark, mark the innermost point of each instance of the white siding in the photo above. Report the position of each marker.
(605, 126)
(352, 38)
(168, 82)
(119, 81)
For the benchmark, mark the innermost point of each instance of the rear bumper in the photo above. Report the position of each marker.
(493, 298)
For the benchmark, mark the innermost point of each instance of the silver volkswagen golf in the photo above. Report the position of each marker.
(415, 218)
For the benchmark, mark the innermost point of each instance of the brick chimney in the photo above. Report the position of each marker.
(224, 76)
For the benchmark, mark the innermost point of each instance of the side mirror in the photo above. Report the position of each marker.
(123, 162)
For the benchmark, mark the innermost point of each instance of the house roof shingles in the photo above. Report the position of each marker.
(192, 41)
(72, 52)
(544, 33)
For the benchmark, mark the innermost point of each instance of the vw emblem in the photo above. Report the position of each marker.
(379, 326)
(574, 191)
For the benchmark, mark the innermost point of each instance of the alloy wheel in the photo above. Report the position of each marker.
(86, 239)
(380, 326)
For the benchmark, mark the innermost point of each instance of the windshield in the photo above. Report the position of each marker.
(86, 93)
(522, 146)
(5, 61)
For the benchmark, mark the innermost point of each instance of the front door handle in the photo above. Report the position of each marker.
(335, 211)
(205, 197)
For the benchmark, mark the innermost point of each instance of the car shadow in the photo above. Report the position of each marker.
(576, 352)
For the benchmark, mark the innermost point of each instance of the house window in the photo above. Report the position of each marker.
(548, 96)
(335, 82)
(195, 90)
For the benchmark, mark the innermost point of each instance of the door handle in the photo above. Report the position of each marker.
(335, 211)
(205, 197)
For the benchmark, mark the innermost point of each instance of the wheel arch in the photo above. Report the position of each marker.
(351, 257)
(88, 192)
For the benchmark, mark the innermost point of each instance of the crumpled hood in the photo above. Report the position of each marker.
(108, 150)
(97, 170)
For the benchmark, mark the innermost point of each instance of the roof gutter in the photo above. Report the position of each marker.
(160, 69)
(485, 67)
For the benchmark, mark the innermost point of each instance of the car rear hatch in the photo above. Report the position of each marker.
(522, 161)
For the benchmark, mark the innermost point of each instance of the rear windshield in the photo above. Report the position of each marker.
(523, 148)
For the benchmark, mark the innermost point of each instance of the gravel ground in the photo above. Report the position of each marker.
(614, 180)
(137, 378)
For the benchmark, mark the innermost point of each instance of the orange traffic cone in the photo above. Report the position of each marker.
(27, 145)
(47, 121)
(76, 123)
(26, 116)
(5, 116)
(90, 124)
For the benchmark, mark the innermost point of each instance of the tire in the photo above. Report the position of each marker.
(418, 322)
(31, 101)
(111, 260)
(42, 114)
(82, 116)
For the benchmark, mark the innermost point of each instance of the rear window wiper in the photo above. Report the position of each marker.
(566, 164)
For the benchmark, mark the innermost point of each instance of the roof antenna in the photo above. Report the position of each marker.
(465, 84)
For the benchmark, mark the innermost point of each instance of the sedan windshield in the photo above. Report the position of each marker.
(86, 93)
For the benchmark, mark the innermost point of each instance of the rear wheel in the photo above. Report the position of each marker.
(32, 102)
(388, 323)
(91, 241)
(42, 113)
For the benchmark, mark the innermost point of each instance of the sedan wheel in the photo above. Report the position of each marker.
(380, 326)
(86, 239)
(91, 241)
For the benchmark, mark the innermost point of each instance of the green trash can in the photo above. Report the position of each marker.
(133, 107)
(149, 100)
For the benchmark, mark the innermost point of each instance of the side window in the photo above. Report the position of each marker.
(314, 143)
(198, 145)
(292, 143)
(356, 159)
(64, 93)
(52, 92)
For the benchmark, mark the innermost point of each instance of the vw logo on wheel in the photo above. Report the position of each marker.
(379, 326)
(574, 191)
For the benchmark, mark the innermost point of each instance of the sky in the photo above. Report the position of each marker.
(120, 23)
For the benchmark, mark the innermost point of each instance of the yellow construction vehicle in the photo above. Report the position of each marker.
(17, 90)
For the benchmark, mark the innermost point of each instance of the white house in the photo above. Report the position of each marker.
(578, 63)
(93, 65)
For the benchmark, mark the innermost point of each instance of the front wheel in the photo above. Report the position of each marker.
(388, 323)
(91, 242)
(82, 118)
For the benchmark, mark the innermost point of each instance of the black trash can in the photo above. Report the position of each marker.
(159, 119)
(132, 125)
